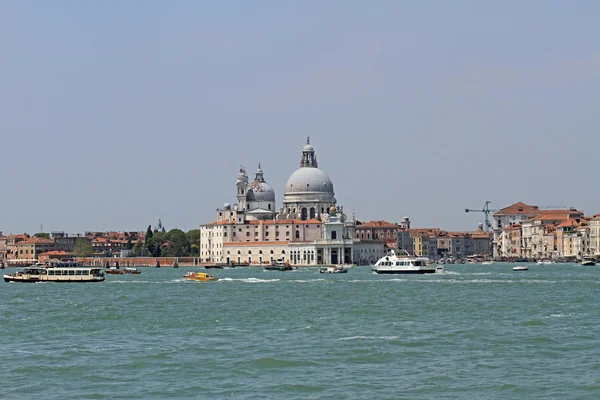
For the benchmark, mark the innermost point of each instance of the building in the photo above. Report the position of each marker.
(308, 229)
(595, 235)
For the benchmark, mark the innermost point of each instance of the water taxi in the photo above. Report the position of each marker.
(200, 276)
(521, 268)
(51, 273)
(393, 264)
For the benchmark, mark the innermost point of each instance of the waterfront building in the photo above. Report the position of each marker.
(507, 216)
(595, 235)
(378, 230)
(2, 247)
(22, 249)
(308, 229)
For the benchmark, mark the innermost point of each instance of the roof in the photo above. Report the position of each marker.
(35, 240)
(519, 208)
(376, 224)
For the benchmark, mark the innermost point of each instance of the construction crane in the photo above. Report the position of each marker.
(486, 210)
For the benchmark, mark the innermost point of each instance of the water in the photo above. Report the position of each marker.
(472, 332)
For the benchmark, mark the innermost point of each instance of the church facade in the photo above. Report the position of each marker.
(308, 229)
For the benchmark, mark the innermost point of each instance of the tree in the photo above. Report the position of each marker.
(83, 248)
(42, 235)
(178, 242)
(149, 234)
(193, 237)
(129, 245)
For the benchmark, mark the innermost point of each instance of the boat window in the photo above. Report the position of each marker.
(64, 272)
(78, 272)
(71, 272)
(50, 272)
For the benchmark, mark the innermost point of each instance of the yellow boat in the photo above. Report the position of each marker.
(200, 276)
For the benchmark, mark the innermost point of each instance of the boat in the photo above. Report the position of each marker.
(487, 263)
(274, 267)
(439, 268)
(588, 261)
(132, 271)
(214, 266)
(50, 273)
(333, 269)
(393, 264)
(279, 265)
(521, 268)
(115, 271)
(200, 277)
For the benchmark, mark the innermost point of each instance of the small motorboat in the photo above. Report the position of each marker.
(200, 277)
(521, 268)
(115, 271)
(439, 269)
(333, 269)
(133, 271)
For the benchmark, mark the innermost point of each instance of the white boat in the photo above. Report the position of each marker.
(333, 269)
(50, 273)
(487, 263)
(521, 268)
(588, 261)
(393, 264)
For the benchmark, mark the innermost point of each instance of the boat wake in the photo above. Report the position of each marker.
(250, 280)
(369, 338)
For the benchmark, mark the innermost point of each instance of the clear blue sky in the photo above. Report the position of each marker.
(115, 112)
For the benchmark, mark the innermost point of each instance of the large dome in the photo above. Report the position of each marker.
(308, 179)
(260, 191)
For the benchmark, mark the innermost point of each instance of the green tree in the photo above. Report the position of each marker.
(178, 242)
(193, 237)
(149, 234)
(129, 245)
(42, 235)
(83, 247)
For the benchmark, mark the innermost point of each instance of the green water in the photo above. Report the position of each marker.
(472, 332)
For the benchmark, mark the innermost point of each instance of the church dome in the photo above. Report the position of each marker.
(309, 179)
(260, 191)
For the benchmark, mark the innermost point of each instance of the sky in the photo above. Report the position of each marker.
(114, 114)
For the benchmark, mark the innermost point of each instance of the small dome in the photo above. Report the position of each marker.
(309, 179)
(332, 210)
(227, 206)
(260, 191)
(308, 147)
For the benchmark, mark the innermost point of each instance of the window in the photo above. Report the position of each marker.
(247, 233)
(255, 233)
(333, 234)
(297, 234)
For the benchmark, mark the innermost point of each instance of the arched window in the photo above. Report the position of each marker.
(282, 251)
(260, 252)
(304, 214)
(272, 252)
(313, 213)
(249, 251)
(297, 234)
(239, 252)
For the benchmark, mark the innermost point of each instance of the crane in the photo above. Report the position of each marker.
(486, 210)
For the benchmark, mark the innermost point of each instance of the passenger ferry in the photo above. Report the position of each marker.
(56, 273)
(393, 264)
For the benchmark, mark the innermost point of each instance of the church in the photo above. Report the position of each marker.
(308, 229)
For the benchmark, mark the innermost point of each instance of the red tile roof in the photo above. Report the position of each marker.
(517, 209)
(377, 224)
